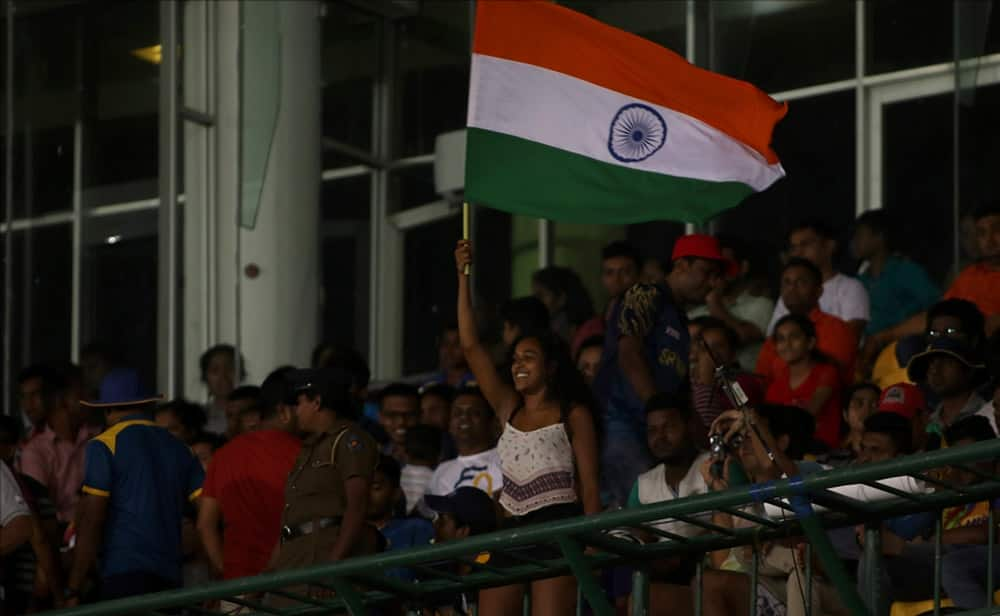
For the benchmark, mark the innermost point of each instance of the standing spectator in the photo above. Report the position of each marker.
(218, 373)
(654, 271)
(55, 457)
(241, 399)
(250, 419)
(31, 384)
(948, 369)
(183, 419)
(204, 445)
(897, 287)
(733, 302)
(398, 411)
(650, 354)
(435, 404)
(801, 287)
(977, 283)
(548, 448)
(588, 357)
(454, 370)
(15, 517)
(522, 316)
(620, 263)
(805, 378)
(676, 475)
(571, 310)
(842, 296)
(400, 532)
(473, 426)
(245, 488)
(137, 480)
(423, 453)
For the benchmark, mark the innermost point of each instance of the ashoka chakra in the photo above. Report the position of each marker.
(637, 132)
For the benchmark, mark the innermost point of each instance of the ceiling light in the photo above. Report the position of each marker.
(113, 239)
(149, 54)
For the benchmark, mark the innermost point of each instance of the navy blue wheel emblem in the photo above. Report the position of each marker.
(637, 132)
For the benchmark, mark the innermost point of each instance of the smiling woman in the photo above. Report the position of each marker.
(548, 447)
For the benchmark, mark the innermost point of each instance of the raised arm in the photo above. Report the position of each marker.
(501, 396)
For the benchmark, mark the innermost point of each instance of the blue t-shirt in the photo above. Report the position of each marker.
(902, 290)
(403, 533)
(647, 312)
(148, 476)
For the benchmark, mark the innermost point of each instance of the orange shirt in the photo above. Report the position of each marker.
(979, 284)
(835, 338)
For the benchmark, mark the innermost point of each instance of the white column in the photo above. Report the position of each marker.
(273, 317)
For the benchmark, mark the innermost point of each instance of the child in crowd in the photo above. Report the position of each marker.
(183, 419)
(805, 379)
(423, 453)
(860, 402)
(400, 533)
(204, 445)
(588, 357)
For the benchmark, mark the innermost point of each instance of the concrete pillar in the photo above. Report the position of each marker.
(272, 312)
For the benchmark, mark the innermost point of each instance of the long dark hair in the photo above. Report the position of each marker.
(809, 329)
(563, 382)
(579, 308)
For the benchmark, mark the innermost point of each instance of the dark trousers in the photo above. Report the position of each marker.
(132, 584)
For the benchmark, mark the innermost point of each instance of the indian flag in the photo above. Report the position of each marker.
(571, 119)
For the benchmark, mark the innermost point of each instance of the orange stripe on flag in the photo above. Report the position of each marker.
(554, 37)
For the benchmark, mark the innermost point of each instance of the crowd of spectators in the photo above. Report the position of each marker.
(108, 491)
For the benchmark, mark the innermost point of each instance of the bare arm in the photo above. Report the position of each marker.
(48, 574)
(353, 524)
(92, 511)
(15, 533)
(634, 366)
(858, 326)
(501, 396)
(913, 326)
(209, 520)
(585, 452)
(819, 398)
(747, 331)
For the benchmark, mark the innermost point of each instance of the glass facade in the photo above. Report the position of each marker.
(892, 105)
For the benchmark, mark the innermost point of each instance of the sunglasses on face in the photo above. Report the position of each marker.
(948, 332)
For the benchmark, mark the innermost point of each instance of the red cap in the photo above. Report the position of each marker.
(704, 247)
(903, 399)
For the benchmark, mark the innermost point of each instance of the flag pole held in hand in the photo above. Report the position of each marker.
(465, 227)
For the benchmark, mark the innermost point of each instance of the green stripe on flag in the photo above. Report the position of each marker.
(529, 178)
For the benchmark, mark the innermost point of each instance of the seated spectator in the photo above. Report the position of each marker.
(181, 418)
(801, 286)
(783, 432)
(907, 571)
(465, 513)
(240, 399)
(218, 373)
(204, 446)
(588, 357)
(571, 311)
(860, 402)
(842, 296)
(948, 370)
(676, 475)
(435, 405)
(897, 287)
(400, 532)
(453, 369)
(398, 411)
(805, 378)
(977, 283)
(733, 302)
(423, 453)
(711, 341)
(244, 489)
(473, 428)
(522, 316)
(55, 457)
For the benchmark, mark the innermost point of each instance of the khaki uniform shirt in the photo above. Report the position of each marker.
(315, 490)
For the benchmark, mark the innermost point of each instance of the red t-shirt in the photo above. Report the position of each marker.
(828, 420)
(834, 338)
(979, 284)
(247, 477)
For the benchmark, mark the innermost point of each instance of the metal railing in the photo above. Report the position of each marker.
(585, 544)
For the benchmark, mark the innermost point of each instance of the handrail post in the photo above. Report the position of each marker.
(640, 592)
(937, 564)
(992, 532)
(873, 565)
(809, 579)
(754, 564)
(698, 572)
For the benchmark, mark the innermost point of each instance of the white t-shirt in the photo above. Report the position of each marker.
(652, 487)
(12, 503)
(481, 470)
(843, 297)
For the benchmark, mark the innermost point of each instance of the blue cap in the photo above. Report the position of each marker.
(122, 387)
(471, 507)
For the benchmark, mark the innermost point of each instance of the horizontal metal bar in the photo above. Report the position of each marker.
(38, 222)
(756, 519)
(198, 117)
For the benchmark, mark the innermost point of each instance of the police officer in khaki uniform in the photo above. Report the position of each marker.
(326, 495)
